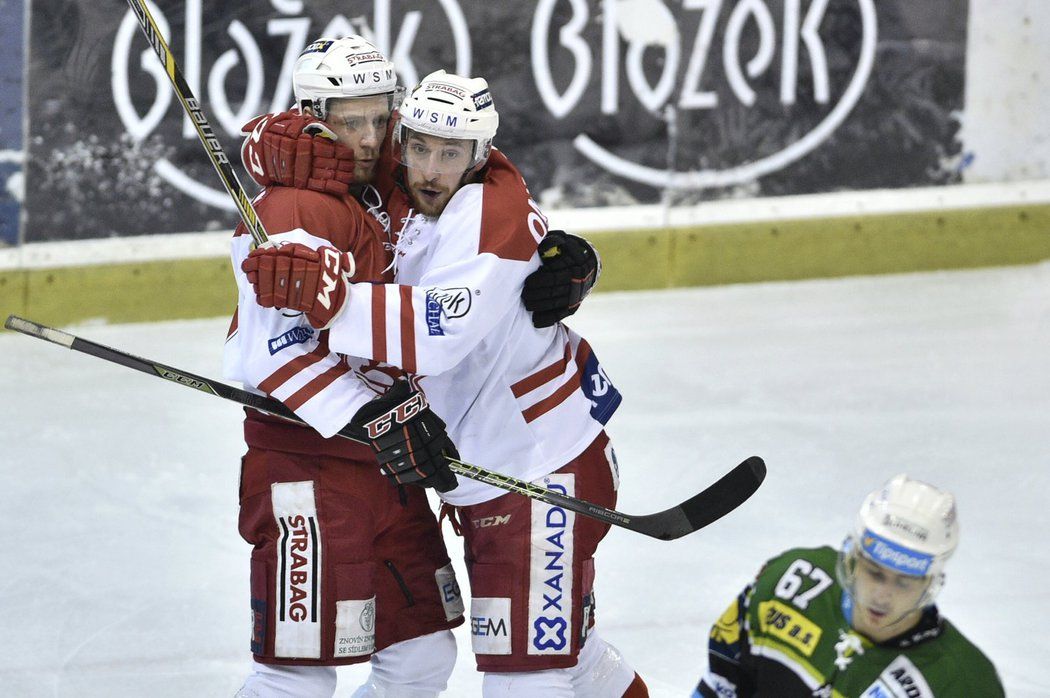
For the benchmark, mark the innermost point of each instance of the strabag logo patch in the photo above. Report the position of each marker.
(298, 564)
(445, 304)
(296, 335)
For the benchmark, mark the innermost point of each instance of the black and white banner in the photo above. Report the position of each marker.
(601, 102)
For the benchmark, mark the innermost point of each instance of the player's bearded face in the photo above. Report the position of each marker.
(886, 603)
(434, 169)
(360, 124)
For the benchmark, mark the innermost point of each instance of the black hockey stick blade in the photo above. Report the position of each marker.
(713, 503)
(732, 490)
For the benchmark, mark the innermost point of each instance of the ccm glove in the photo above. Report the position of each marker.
(410, 441)
(295, 150)
(294, 277)
(570, 268)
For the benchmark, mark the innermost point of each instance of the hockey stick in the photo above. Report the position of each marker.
(200, 122)
(732, 490)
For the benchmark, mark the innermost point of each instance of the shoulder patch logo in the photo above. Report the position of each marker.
(445, 304)
(296, 335)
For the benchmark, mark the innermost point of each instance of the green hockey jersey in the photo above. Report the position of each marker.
(787, 635)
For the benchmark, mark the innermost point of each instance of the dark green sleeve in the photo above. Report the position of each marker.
(728, 654)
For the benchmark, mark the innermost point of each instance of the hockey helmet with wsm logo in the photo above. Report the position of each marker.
(908, 527)
(342, 68)
(454, 107)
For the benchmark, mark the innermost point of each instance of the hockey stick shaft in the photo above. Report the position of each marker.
(200, 122)
(711, 504)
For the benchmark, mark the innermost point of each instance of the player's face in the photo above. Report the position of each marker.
(885, 603)
(360, 124)
(434, 169)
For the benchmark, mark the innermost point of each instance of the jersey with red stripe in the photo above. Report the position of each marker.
(516, 399)
(276, 352)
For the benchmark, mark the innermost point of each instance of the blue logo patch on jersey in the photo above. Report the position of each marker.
(877, 690)
(296, 335)
(896, 557)
(434, 316)
(604, 396)
(445, 304)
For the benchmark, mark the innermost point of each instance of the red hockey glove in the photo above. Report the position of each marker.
(410, 441)
(294, 150)
(570, 268)
(294, 277)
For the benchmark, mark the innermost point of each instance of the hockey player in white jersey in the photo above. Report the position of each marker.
(526, 401)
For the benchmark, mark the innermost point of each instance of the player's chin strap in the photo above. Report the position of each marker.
(717, 500)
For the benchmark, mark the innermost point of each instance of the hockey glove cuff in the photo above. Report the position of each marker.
(569, 269)
(295, 150)
(294, 277)
(409, 440)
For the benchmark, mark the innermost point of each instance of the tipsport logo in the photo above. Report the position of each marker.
(550, 572)
(895, 557)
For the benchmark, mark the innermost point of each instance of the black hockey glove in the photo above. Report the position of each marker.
(555, 290)
(410, 441)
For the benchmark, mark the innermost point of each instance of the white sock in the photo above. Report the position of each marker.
(602, 671)
(550, 683)
(286, 681)
(416, 668)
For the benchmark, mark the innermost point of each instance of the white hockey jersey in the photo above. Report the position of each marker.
(276, 352)
(516, 399)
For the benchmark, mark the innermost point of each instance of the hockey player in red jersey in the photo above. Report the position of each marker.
(345, 567)
(528, 401)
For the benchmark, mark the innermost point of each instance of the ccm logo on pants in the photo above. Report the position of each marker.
(298, 628)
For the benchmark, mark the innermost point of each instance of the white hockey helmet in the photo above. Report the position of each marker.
(906, 526)
(342, 68)
(450, 106)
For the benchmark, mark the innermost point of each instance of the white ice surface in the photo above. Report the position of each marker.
(123, 573)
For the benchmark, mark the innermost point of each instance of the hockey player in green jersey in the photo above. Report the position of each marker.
(855, 623)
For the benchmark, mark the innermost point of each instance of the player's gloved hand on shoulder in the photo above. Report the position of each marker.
(294, 277)
(570, 268)
(410, 441)
(296, 150)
